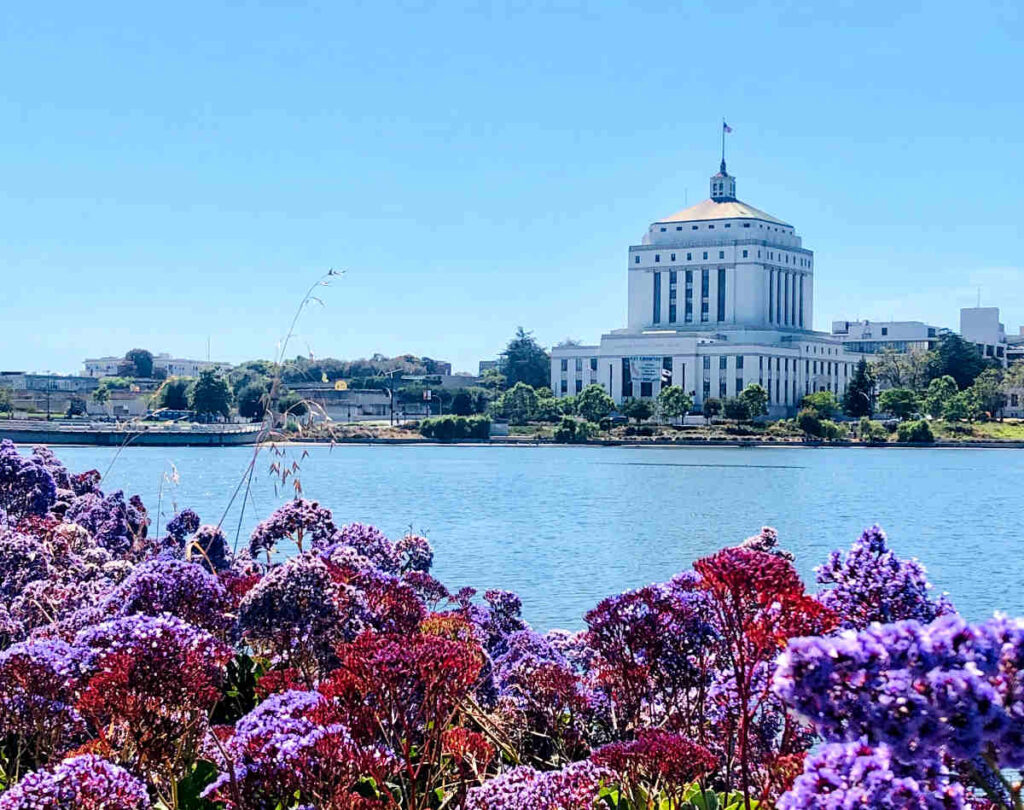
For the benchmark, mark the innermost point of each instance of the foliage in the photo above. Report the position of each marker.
(76, 406)
(637, 408)
(6, 401)
(736, 409)
(857, 401)
(938, 395)
(252, 401)
(673, 402)
(462, 403)
(872, 432)
(918, 432)
(823, 403)
(291, 404)
(518, 404)
(141, 362)
(900, 402)
(712, 407)
(957, 358)
(524, 361)
(449, 427)
(755, 397)
(594, 403)
(574, 431)
(963, 405)
(988, 391)
(210, 394)
(808, 420)
(174, 394)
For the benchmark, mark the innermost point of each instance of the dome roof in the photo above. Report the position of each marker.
(721, 209)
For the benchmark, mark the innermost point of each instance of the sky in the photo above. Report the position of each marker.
(176, 175)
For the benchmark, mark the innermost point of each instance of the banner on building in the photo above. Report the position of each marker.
(645, 369)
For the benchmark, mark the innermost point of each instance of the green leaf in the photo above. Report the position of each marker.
(189, 788)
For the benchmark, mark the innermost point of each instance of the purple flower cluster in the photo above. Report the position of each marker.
(296, 520)
(371, 543)
(870, 584)
(85, 782)
(846, 776)
(26, 486)
(575, 787)
(925, 691)
(114, 523)
(183, 524)
(415, 554)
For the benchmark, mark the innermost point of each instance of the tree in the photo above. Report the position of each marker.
(524, 361)
(736, 409)
(291, 404)
(937, 396)
(824, 402)
(958, 358)
(462, 403)
(493, 380)
(594, 403)
(252, 401)
(76, 407)
(894, 369)
(809, 421)
(141, 361)
(6, 402)
(755, 397)
(101, 396)
(173, 394)
(210, 394)
(1014, 376)
(712, 407)
(638, 409)
(963, 405)
(519, 403)
(674, 402)
(988, 389)
(900, 402)
(857, 399)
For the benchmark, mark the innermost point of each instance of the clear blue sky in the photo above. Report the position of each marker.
(170, 172)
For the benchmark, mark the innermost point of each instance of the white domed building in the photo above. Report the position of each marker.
(721, 295)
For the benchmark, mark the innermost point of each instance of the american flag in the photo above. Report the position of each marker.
(726, 127)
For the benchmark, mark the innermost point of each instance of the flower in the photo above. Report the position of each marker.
(575, 787)
(371, 543)
(26, 486)
(86, 782)
(656, 757)
(209, 547)
(415, 553)
(183, 524)
(295, 520)
(854, 775)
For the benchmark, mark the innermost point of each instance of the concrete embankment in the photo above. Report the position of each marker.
(135, 434)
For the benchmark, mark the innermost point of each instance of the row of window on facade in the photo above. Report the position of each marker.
(802, 262)
(579, 364)
(711, 227)
(705, 292)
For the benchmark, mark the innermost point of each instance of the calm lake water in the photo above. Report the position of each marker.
(565, 527)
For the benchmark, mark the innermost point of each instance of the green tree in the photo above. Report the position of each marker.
(638, 409)
(988, 389)
(872, 432)
(958, 358)
(141, 361)
(493, 380)
(462, 403)
(594, 403)
(809, 421)
(101, 396)
(900, 402)
(76, 407)
(173, 394)
(291, 404)
(938, 394)
(252, 401)
(210, 394)
(524, 361)
(673, 402)
(712, 407)
(736, 409)
(824, 402)
(755, 397)
(6, 402)
(857, 400)
(519, 403)
(574, 431)
(963, 405)
(894, 369)
(918, 432)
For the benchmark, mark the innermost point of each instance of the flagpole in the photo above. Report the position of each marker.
(723, 140)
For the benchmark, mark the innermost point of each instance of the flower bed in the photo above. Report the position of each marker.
(169, 671)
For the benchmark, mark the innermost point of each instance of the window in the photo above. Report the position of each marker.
(672, 273)
(565, 387)
(721, 388)
(711, 227)
(627, 379)
(679, 227)
(565, 364)
(707, 389)
(707, 363)
(663, 230)
(579, 386)
(579, 364)
(728, 224)
(693, 227)
(739, 384)
(672, 308)
(646, 389)
(746, 224)
(673, 257)
(721, 254)
(721, 293)
(885, 330)
(744, 254)
(723, 363)
(689, 257)
(666, 368)
(593, 364)
(636, 259)
(771, 296)
(689, 296)
(705, 254)
(739, 362)
(657, 257)
(656, 315)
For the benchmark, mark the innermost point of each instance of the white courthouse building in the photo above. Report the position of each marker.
(721, 295)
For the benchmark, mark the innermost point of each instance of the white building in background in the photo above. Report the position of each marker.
(871, 337)
(174, 366)
(981, 325)
(721, 295)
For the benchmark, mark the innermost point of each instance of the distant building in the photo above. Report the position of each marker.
(871, 337)
(26, 381)
(981, 325)
(1015, 347)
(487, 365)
(173, 366)
(720, 295)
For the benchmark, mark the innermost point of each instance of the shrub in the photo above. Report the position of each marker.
(809, 422)
(574, 431)
(918, 432)
(872, 432)
(448, 428)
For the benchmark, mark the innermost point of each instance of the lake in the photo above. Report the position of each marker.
(566, 526)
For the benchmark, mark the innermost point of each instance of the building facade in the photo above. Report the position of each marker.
(173, 366)
(872, 337)
(720, 295)
(981, 325)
